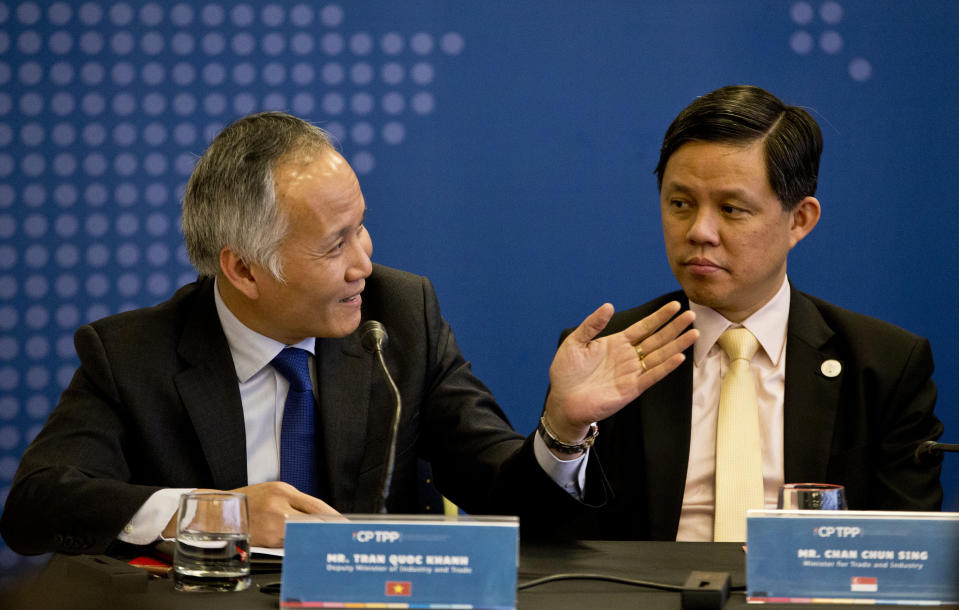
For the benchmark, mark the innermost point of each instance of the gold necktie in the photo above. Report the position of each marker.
(739, 474)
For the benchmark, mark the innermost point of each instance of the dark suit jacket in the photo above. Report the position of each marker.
(858, 429)
(155, 403)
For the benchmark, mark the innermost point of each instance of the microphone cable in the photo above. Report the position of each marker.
(602, 577)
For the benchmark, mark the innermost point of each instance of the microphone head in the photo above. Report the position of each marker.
(928, 453)
(373, 336)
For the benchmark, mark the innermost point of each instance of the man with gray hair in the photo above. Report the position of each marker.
(254, 378)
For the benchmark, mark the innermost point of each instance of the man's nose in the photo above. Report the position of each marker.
(704, 227)
(361, 266)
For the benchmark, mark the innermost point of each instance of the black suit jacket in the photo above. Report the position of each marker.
(155, 403)
(858, 429)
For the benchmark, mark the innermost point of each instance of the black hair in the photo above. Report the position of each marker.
(742, 113)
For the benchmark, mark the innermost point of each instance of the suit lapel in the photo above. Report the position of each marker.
(666, 414)
(811, 398)
(209, 391)
(343, 373)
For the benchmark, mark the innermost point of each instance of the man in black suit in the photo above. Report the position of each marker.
(192, 393)
(842, 398)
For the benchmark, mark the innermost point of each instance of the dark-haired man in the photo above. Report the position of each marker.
(835, 396)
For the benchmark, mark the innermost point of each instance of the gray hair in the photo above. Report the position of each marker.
(230, 199)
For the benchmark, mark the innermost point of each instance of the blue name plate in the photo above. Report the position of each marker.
(838, 556)
(398, 561)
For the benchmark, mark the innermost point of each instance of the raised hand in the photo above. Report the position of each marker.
(590, 379)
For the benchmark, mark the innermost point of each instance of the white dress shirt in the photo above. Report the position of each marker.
(769, 325)
(568, 474)
(263, 393)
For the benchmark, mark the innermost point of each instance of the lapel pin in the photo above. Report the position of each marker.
(831, 368)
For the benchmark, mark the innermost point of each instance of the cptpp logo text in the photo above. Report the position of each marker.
(376, 536)
(836, 531)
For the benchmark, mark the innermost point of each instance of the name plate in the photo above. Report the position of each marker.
(838, 556)
(399, 561)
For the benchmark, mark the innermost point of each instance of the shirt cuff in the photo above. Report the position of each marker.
(151, 519)
(568, 474)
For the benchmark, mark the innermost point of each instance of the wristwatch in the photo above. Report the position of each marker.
(569, 448)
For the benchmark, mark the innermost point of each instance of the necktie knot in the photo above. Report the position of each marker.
(738, 343)
(294, 364)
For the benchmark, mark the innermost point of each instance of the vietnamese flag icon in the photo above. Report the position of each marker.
(404, 588)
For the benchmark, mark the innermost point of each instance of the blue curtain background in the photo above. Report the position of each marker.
(505, 150)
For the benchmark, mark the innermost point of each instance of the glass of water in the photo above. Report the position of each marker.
(811, 496)
(212, 551)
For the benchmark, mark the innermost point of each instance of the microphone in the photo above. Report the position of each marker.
(927, 451)
(373, 337)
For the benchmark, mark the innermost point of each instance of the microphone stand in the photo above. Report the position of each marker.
(372, 337)
(394, 432)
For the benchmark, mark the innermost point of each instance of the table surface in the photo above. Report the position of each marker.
(104, 582)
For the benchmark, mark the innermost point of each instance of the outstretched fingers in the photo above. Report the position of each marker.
(654, 374)
(661, 344)
(665, 336)
(592, 325)
(646, 327)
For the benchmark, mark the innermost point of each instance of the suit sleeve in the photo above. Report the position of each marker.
(908, 420)
(70, 493)
(551, 512)
(479, 462)
(466, 434)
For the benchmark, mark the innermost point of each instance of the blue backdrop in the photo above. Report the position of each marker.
(505, 150)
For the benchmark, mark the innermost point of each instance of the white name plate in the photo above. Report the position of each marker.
(839, 556)
(398, 561)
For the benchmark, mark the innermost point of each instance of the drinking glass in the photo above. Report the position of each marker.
(811, 496)
(212, 551)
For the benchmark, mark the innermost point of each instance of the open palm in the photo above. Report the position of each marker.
(590, 379)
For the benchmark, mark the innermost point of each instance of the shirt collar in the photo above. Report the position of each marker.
(768, 324)
(251, 351)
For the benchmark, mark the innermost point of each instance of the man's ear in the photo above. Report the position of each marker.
(238, 273)
(803, 218)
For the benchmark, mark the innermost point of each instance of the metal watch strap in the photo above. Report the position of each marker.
(569, 448)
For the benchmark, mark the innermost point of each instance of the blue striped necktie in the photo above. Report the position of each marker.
(297, 433)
